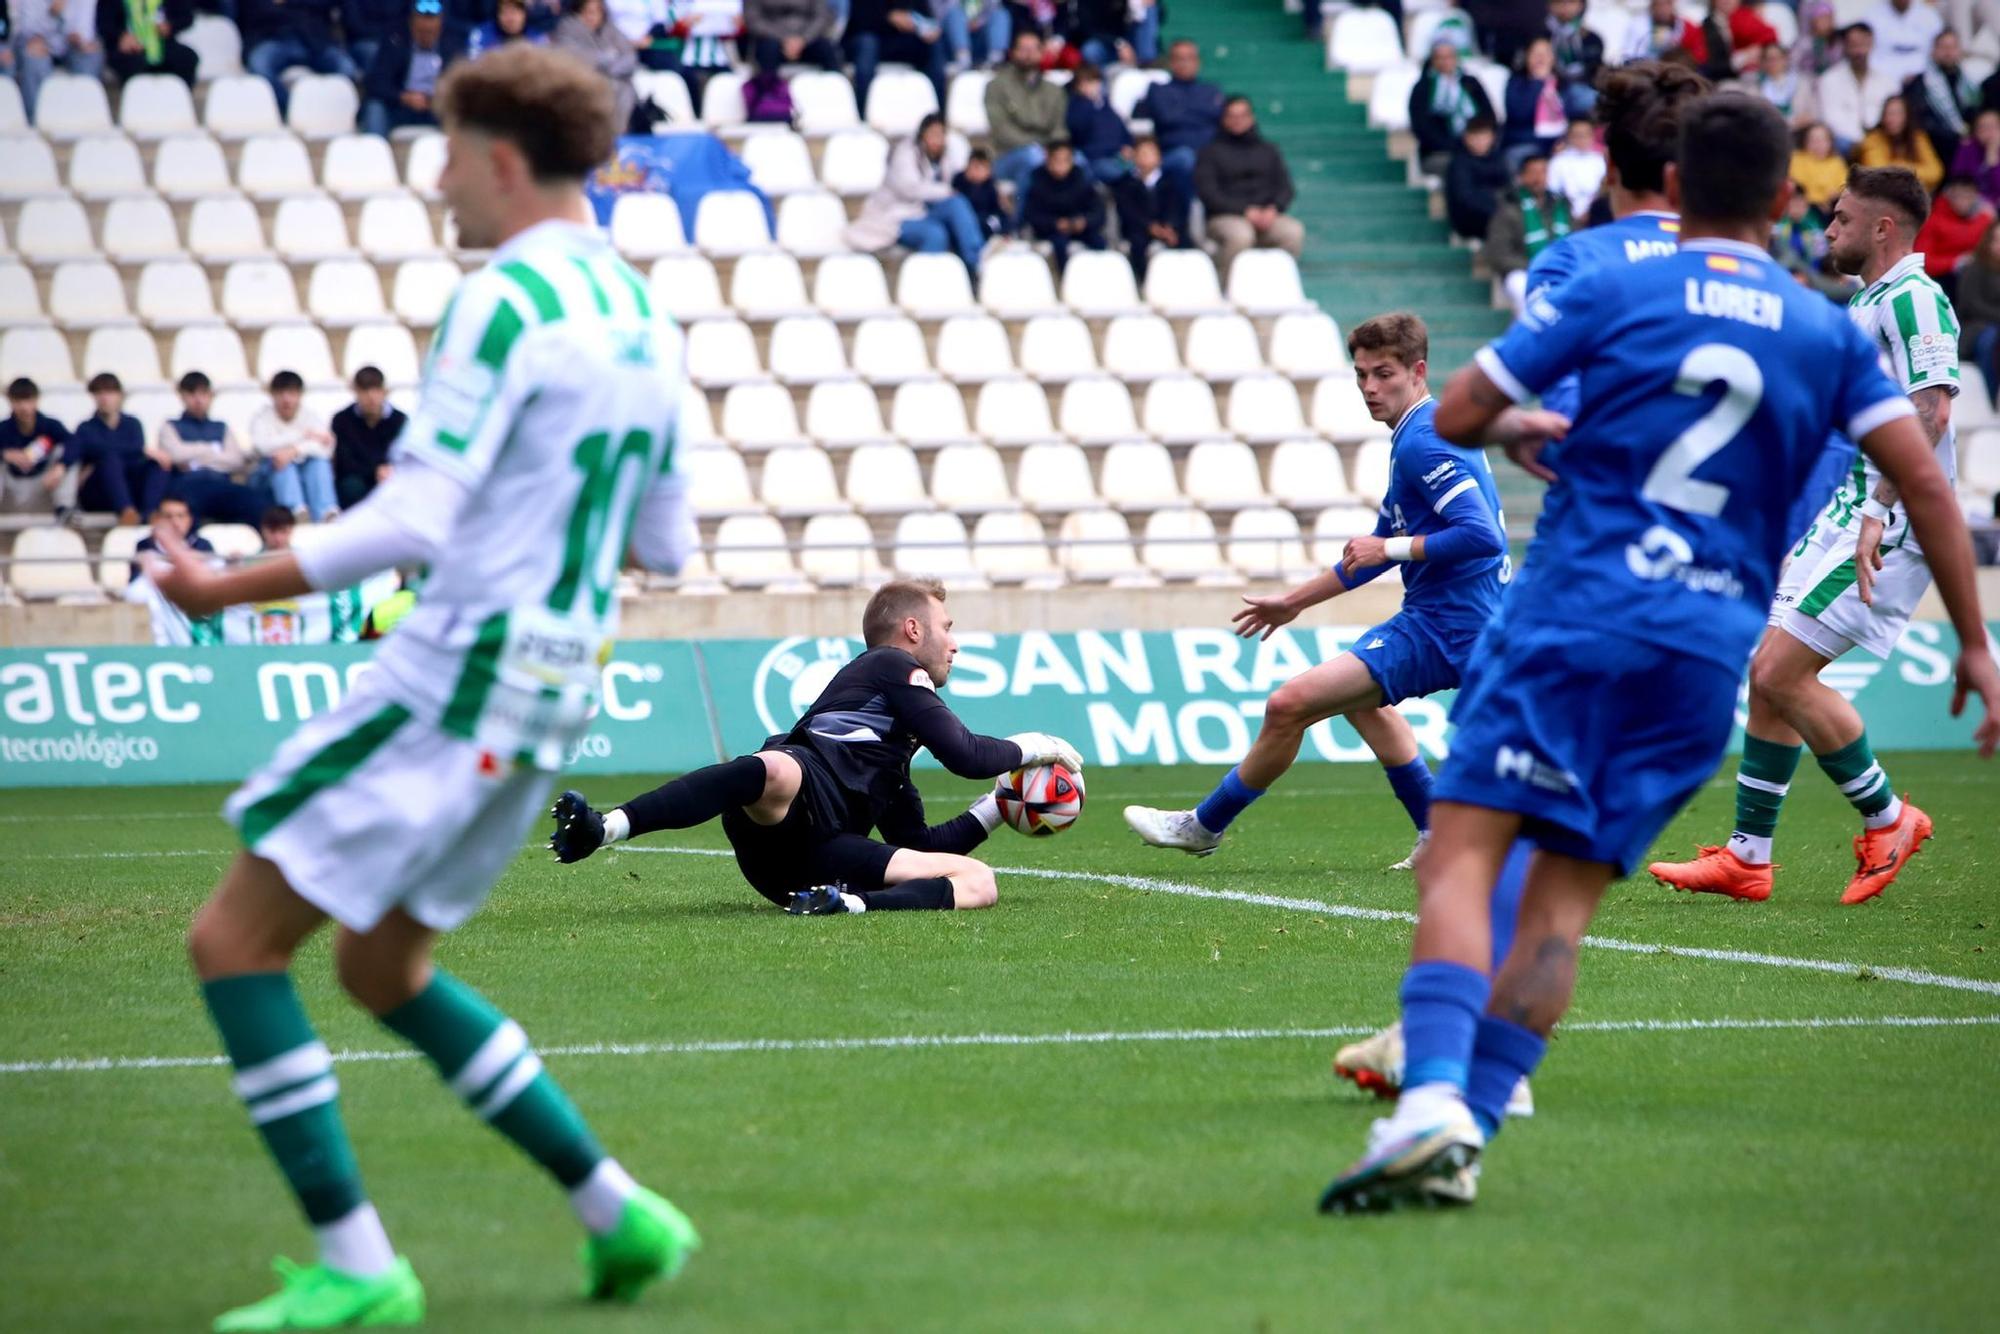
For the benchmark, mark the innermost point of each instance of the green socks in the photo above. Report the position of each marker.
(1763, 777)
(1860, 779)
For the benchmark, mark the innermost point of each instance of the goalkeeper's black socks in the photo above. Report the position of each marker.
(696, 798)
(933, 893)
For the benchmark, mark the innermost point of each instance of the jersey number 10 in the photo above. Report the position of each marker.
(1671, 482)
(599, 528)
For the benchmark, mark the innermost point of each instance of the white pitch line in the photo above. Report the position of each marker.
(116, 856)
(940, 1041)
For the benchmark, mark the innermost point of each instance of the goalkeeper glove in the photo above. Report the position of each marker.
(1041, 748)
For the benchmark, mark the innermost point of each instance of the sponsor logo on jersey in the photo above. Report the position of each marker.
(1443, 470)
(1930, 353)
(1636, 250)
(920, 677)
(1662, 554)
(1523, 766)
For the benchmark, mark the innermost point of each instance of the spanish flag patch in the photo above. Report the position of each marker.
(1725, 264)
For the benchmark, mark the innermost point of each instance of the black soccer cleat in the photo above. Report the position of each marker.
(579, 829)
(823, 901)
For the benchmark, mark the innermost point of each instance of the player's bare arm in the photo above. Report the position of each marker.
(1933, 406)
(1261, 617)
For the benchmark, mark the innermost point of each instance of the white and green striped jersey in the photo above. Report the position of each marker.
(552, 391)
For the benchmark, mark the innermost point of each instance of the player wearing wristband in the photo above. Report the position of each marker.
(1854, 579)
(799, 811)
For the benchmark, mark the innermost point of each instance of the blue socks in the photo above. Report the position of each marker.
(1503, 1054)
(1507, 899)
(1442, 1003)
(1232, 796)
(1412, 785)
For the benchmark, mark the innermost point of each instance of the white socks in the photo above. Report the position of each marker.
(356, 1244)
(617, 828)
(853, 903)
(1885, 817)
(1752, 849)
(599, 1201)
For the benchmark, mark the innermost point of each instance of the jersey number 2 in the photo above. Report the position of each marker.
(1672, 482)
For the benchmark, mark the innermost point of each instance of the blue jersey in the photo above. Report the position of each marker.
(1632, 239)
(1435, 485)
(1710, 382)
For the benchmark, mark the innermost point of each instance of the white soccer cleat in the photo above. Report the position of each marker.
(1521, 1102)
(1415, 1156)
(1171, 829)
(1454, 1191)
(1374, 1063)
(1409, 863)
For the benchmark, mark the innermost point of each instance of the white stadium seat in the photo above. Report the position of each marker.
(1011, 547)
(936, 287)
(114, 556)
(1057, 348)
(421, 290)
(731, 222)
(935, 546)
(322, 106)
(385, 345)
(970, 479)
(128, 352)
(898, 98)
(174, 292)
(853, 161)
(722, 352)
(359, 165)
(1015, 284)
(1339, 412)
(647, 226)
(696, 426)
(48, 231)
(1307, 346)
(965, 103)
(140, 228)
(37, 352)
(70, 106)
(296, 347)
(1098, 284)
(889, 350)
(1265, 407)
(1364, 41)
(20, 298)
(105, 166)
(928, 414)
(215, 40)
(798, 482)
(812, 223)
(1389, 98)
(1371, 470)
(1054, 478)
(239, 106)
(1982, 461)
(273, 166)
(718, 482)
(1223, 347)
(806, 349)
(1180, 544)
(1139, 475)
(1014, 410)
(841, 414)
(768, 286)
(1141, 347)
(778, 161)
(1095, 546)
(838, 551)
(31, 167)
(87, 292)
(722, 104)
(1265, 543)
(51, 564)
(823, 102)
(13, 115)
(1129, 88)
(750, 552)
(424, 164)
(667, 91)
(225, 227)
(1266, 282)
(1097, 411)
(152, 106)
(1183, 282)
(1222, 475)
(760, 416)
(1180, 409)
(309, 228)
(972, 349)
(1307, 474)
(189, 166)
(233, 541)
(885, 479)
(259, 291)
(1333, 527)
(685, 287)
(853, 287)
(216, 350)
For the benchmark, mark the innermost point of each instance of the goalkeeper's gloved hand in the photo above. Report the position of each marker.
(1041, 748)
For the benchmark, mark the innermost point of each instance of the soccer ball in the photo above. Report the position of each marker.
(1040, 801)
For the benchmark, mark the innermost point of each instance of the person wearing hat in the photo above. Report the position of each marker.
(403, 78)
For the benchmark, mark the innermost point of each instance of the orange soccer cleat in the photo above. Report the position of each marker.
(1881, 854)
(1717, 871)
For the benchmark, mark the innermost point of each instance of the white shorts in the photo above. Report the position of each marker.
(366, 808)
(1818, 604)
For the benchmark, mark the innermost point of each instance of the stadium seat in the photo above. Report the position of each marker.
(778, 161)
(309, 228)
(341, 292)
(424, 164)
(768, 286)
(105, 166)
(259, 291)
(667, 91)
(153, 106)
(1140, 347)
(973, 349)
(1095, 546)
(70, 106)
(275, 166)
(13, 115)
(50, 564)
(140, 228)
(841, 414)
(718, 482)
(1180, 544)
(1011, 547)
(225, 227)
(838, 551)
(1054, 478)
(1014, 410)
(1307, 347)
(385, 345)
(1223, 475)
(87, 292)
(970, 479)
(1307, 475)
(38, 352)
(189, 166)
(696, 426)
(823, 102)
(750, 552)
(936, 287)
(722, 104)
(296, 347)
(1180, 409)
(1265, 543)
(898, 98)
(1339, 412)
(1097, 411)
(1139, 475)
(1265, 407)
(812, 223)
(20, 298)
(852, 287)
(421, 290)
(1389, 98)
(1613, 24)
(322, 106)
(929, 414)
(798, 481)
(31, 167)
(853, 161)
(760, 416)
(1128, 88)
(1364, 41)
(1333, 527)
(1223, 347)
(1183, 283)
(1371, 470)
(806, 349)
(150, 405)
(931, 545)
(885, 479)
(685, 287)
(1972, 410)
(216, 350)
(722, 352)
(1057, 348)
(174, 292)
(239, 106)
(359, 165)
(114, 554)
(1015, 284)
(1098, 284)
(217, 44)
(1266, 282)
(647, 226)
(128, 352)
(1982, 461)
(965, 103)
(731, 222)
(50, 230)
(889, 350)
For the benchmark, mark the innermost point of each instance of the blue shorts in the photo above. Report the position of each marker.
(1596, 739)
(1411, 656)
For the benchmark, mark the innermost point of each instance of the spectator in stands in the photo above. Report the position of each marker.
(1528, 221)
(275, 527)
(119, 477)
(1819, 47)
(1097, 132)
(508, 24)
(916, 206)
(50, 35)
(1904, 31)
(791, 32)
(1026, 113)
(1780, 85)
(1123, 31)
(1663, 33)
(1942, 99)
(976, 32)
(1978, 303)
(647, 25)
(1243, 185)
(1185, 112)
(139, 37)
(1959, 219)
(402, 82)
(294, 451)
(975, 182)
(586, 34)
(1576, 171)
(1730, 38)
(173, 513)
(1063, 206)
(1474, 179)
(1537, 116)
(366, 24)
(278, 34)
(1851, 94)
(1818, 171)
(1152, 207)
(702, 36)
(363, 434)
(41, 472)
(1978, 158)
(1579, 55)
(206, 460)
(1798, 241)
(1504, 27)
(898, 30)
(1444, 101)
(1896, 142)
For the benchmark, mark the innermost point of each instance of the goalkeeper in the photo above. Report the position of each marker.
(799, 812)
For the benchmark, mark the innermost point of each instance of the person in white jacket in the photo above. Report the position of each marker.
(1851, 93)
(916, 207)
(51, 33)
(294, 451)
(1904, 31)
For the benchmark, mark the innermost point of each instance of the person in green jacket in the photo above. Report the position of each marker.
(1025, 113)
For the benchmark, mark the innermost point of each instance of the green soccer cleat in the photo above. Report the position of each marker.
(315, 1297)
(652, 1240)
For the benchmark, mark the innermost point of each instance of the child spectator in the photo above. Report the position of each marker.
(295, 451)
(1576, 172)
(49, 34)
(1959, 220)
(1097, 133)
(41, 470)
(1063, 206)
(174, 515)
(1978, 158)
(119, 476)
(976, 184)
(509, 24)
(1819, 171)
(138, 37)
(1152, 207)
(1444, 101)
(402, 81)
(207, 460)
(1896, 142)
(1474, 179)
(276, 529)
(364, 432)
(1798, 242)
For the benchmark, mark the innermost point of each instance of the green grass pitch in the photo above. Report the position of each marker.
(1788, 1177)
